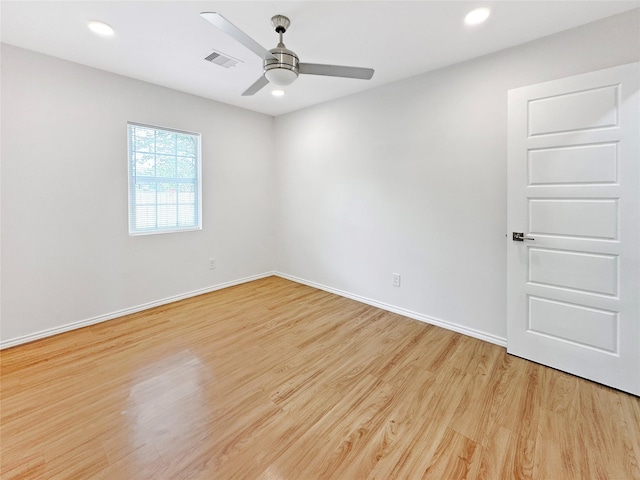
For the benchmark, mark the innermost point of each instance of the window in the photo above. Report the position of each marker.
(164, 180)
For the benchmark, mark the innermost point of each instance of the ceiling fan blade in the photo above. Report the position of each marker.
(237, 34)
(256, 87)
(335, 71)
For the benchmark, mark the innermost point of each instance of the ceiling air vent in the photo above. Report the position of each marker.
(222, 59)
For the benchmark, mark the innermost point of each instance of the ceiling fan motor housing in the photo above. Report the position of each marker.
(284, 59)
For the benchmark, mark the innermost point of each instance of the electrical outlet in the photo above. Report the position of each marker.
(212, 263)
(395, 279)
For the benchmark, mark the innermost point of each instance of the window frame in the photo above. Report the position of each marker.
(131, 180)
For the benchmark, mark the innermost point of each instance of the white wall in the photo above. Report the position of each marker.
(66, 253)
(411, 178)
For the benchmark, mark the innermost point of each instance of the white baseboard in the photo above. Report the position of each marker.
(487, 337)
(12, 342)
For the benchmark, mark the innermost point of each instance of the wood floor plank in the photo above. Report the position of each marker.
(474, 413)
(340, 430)
(598, 419)
(274, 380)
(413, 460)
(507, 454)
(457, 457)
(558, 451)
(396, 419)
(518, 397)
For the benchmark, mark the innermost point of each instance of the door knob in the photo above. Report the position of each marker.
(520, 237)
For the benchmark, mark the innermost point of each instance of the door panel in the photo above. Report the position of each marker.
(593, 164)
(562, 216)
(582, 110)
(574, 191)
(595, 273)
(588, 326)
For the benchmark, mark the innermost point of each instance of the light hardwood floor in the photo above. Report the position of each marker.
(275, 380)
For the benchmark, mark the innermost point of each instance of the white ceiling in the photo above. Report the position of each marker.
(165, 42)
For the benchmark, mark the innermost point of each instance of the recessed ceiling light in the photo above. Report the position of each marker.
(477, 16)
(100, 28)
(277, 93)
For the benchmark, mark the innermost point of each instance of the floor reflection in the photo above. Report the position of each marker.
(167, 400)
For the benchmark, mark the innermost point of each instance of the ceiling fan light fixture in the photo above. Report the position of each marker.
(280, 76)
(477, 16)
(100, 28)
(277, 93)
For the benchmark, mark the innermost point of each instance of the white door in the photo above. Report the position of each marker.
(574, 193)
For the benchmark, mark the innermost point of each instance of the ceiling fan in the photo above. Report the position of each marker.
(281, 65)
